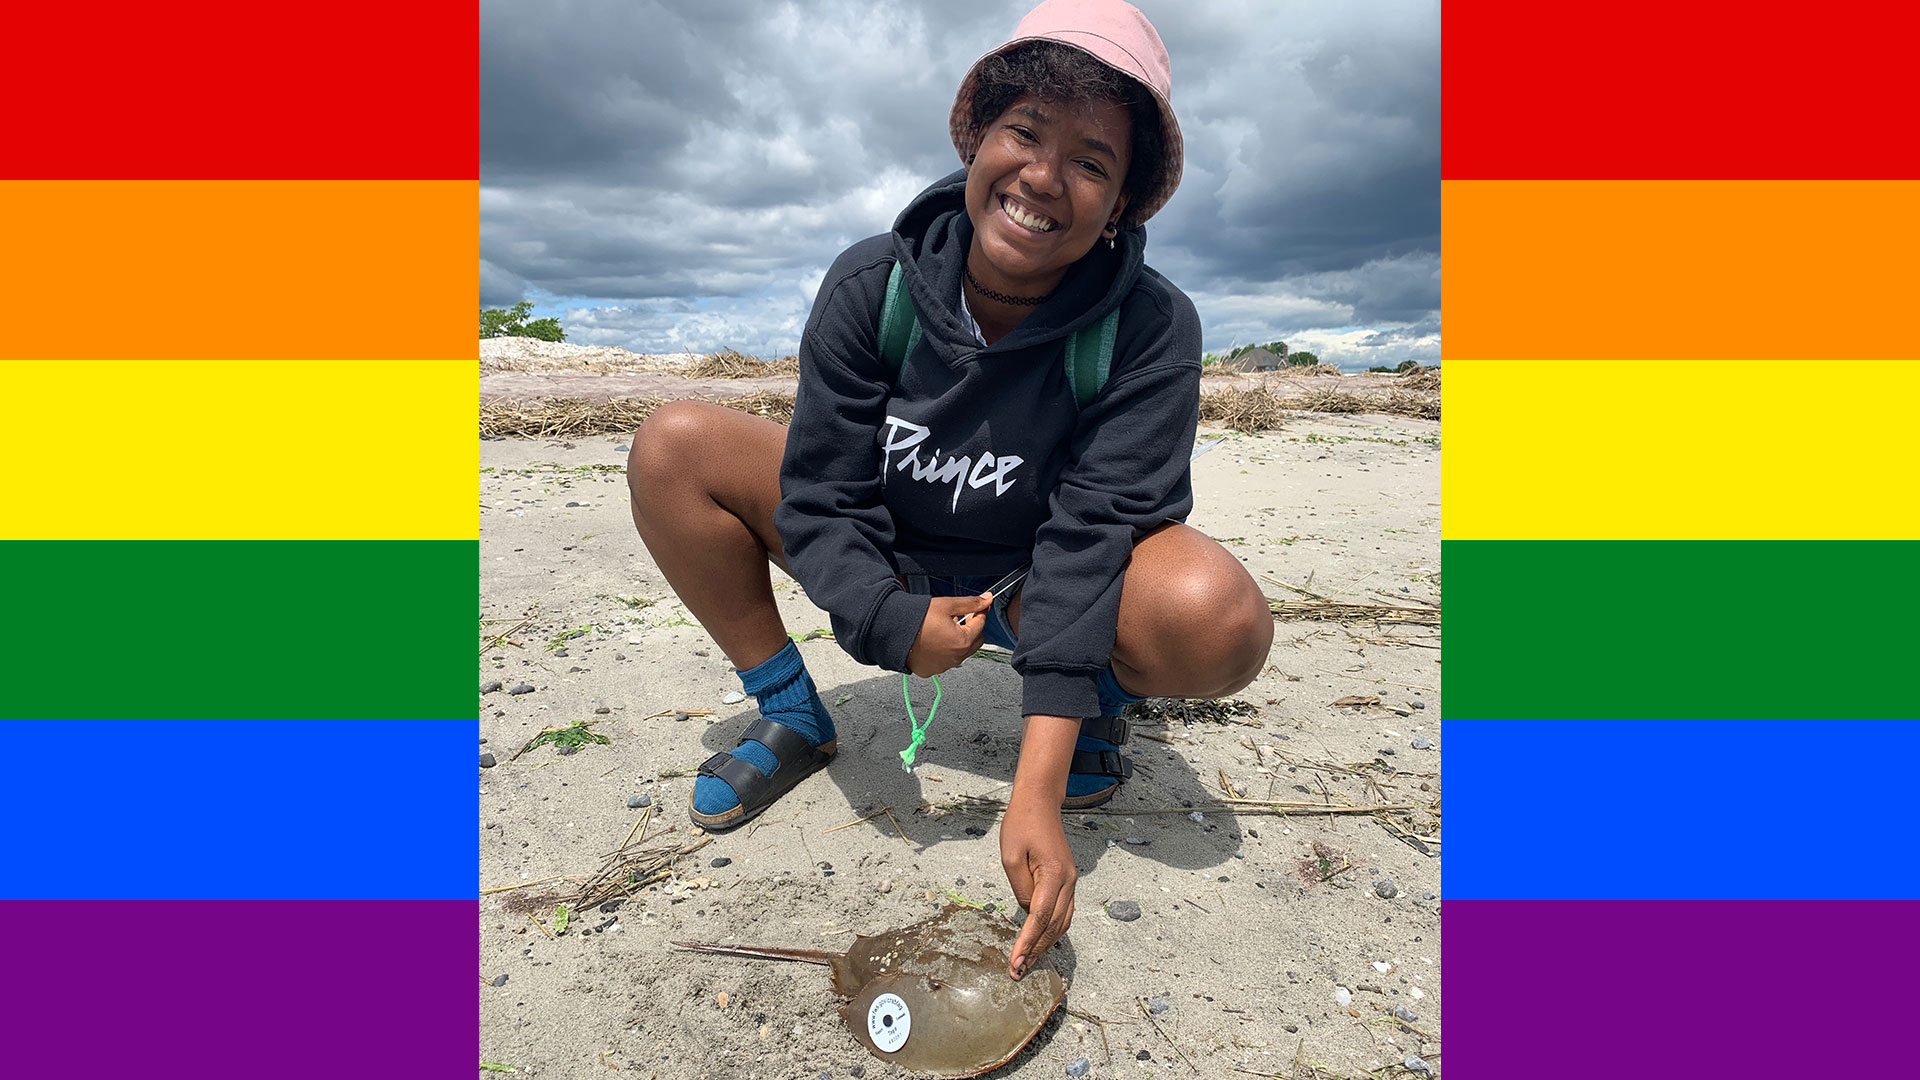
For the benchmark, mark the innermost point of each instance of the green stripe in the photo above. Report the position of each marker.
(1697, 630)
(271, 629)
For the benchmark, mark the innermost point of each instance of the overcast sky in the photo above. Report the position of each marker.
(676, 175)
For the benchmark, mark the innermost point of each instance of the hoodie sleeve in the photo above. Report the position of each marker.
(1128, 473)
(837, 534)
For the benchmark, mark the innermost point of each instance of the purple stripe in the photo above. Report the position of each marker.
(1578, 989)
(231, 988)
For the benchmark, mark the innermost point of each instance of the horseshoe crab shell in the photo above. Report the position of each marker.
(935, 996)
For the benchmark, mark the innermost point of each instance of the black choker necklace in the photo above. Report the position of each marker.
(1023, 301)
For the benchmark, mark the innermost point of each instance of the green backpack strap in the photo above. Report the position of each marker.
(1088, 359)
(1090, 356)
(899, 328)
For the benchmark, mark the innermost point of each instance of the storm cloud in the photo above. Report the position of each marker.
(676, 176)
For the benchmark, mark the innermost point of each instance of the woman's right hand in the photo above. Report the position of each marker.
(943, 640)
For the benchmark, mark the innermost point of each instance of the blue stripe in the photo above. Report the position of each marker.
(1681, 810)
(241, 810)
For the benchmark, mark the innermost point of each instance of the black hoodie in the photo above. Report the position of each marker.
(975, 460)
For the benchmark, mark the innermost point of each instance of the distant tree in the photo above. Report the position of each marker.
(511, 322)
(1302, 359)
(1407, 365)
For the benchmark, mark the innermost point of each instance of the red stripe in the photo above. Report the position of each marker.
(354, 89)
(1651, 89)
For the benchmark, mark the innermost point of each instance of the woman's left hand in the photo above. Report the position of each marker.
(1039, 866)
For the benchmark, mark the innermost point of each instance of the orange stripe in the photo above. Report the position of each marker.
(240, 270)
(1679, 270)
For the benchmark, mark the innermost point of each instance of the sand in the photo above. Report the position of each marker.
(1239, 934)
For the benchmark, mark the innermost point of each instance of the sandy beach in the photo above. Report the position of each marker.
(1278, 940)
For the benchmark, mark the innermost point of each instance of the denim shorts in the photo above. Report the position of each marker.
(999, 631)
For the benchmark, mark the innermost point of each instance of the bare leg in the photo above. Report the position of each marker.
(705, 480)
(1192, 622)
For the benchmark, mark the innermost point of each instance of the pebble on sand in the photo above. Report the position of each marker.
(1385, 889)
(486, 761)
(1415, 1065)
(1404, 1013)
(521, 688)
(721, 860)
(1158, 1005)
(732, 697)
(1420, 742)
(500, 980)
(1123, 910)
(1342, 996)
(1196, 816)
(639, 802)
(490, 686)
(1079, 1067)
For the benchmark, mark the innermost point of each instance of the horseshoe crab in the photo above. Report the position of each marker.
(934, 997)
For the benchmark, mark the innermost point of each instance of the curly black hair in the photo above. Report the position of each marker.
(1054, 72)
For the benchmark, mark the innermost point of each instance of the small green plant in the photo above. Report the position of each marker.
(576, 735)
(559, 640)
(494, 1066)
(635, 602)
(961, 900)
(560, 919)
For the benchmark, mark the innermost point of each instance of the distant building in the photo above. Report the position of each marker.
(1257, 359)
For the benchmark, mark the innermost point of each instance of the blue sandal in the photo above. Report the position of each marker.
(1098, 768)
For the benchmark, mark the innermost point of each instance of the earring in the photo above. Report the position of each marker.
(1112, 232)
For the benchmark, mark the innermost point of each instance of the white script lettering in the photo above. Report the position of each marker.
(962, 471)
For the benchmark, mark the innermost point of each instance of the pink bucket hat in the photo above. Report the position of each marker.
(1117, 35)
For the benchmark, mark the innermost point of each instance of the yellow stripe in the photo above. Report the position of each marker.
(1740, 270)
(239, 270)
(341, 449)
(1648, 450)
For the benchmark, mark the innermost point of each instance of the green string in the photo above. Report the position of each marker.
(919, 729)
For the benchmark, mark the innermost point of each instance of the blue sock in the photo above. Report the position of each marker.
(787, 697)
(1114, 698)
(1113, 701)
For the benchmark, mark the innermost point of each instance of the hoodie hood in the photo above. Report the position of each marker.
(931, 239)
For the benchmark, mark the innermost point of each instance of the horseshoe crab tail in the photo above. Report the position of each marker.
(760, 952)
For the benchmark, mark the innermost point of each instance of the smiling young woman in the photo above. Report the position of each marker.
(1040, 414)
(1044, 186)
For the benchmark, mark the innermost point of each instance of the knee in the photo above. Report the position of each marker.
(665, 449)
(1228, 617)
(1248, 627)
(1213, 634)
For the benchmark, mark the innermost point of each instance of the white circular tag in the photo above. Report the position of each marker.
(889, 1023)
